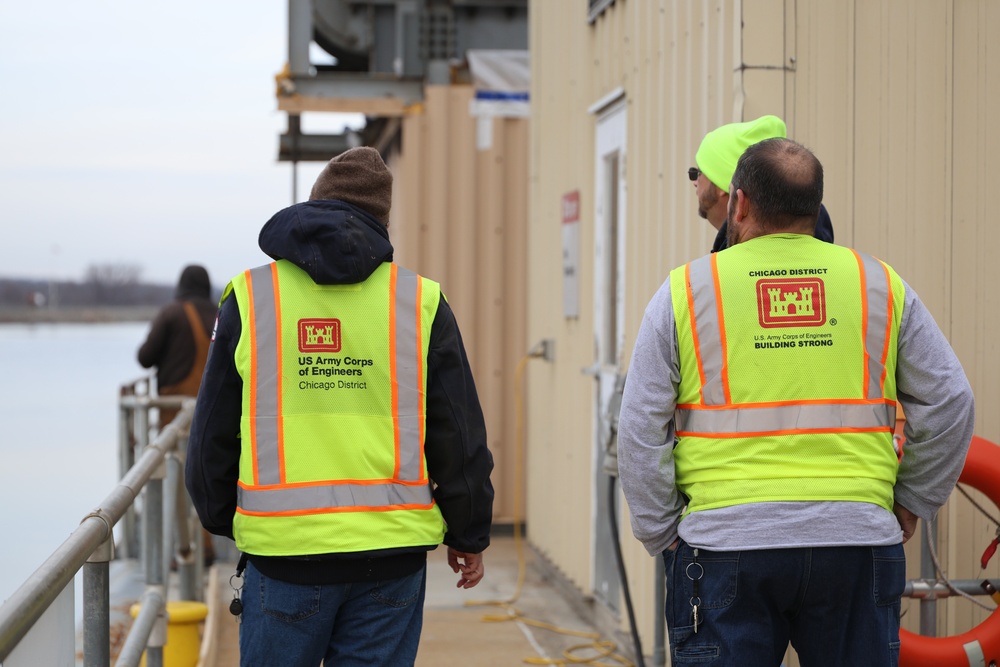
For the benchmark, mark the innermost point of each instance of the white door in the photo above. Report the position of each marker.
(609, 313)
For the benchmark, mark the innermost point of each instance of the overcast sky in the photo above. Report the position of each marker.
(142, 133)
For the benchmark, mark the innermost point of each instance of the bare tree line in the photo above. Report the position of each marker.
(103, 285)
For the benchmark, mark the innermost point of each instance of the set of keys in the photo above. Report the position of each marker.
(236, 606)
(695, 571)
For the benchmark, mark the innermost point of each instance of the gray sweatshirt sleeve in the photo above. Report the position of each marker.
(931, 386)
(940, 412)
(646, 428)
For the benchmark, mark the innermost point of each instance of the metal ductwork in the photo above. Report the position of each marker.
(385, 51)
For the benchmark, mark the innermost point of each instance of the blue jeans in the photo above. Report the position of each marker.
(345, 625)
(836, 605)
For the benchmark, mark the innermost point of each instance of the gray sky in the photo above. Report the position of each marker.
(142, 133)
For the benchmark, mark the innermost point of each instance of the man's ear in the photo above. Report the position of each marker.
(741, 207)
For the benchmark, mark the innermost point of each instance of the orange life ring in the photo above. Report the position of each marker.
(981, 472)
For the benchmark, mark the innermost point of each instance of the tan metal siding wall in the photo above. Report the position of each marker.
(820, 98)
(674, 61)
(973, 317)
(459, 218)
(559, 448)
(680, 84)
(898, 100)
(907, 150)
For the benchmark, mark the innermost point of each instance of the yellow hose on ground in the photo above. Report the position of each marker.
(599, 649)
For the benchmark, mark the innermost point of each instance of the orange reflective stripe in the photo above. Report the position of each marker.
(409, 376)
(420, 374)
(876, 295)
(830, 416)
(722, 329)
(694, 330)
(805, 401)
(864, 321)
(393, 381)
(265, 378)
(253, 375)
(888, 328)
(338, 510)
(323, 497)
(791, 431)
(270, 490)
(279, 375)
(705, 306)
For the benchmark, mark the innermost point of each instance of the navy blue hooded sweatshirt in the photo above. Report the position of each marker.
(337, 244)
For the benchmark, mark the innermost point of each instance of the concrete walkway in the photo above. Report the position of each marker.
(483, 626)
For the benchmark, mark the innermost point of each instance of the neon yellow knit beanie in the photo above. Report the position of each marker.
(721, 148)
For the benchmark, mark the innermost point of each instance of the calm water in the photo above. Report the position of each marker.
(58, 429)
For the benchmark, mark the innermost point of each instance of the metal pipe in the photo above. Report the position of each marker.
(178, 506)
(169, 499)
(187, 552)
(930, 589)
(146, 402)
(141, 430)
(27, 604)
(125, 460)
(152, 521)
(300, 34)
(97, 607)
(150, 609)
(659, 614)
(198, 564)
(928, 606)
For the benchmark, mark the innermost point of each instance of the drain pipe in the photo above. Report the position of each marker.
(660, 614)
(639, 658)
(610, 466)
(739, 93)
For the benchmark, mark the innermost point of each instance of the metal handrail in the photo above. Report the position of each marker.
(91, 546)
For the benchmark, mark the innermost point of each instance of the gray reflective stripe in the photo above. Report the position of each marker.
(707, 328)
(264, 384)
(332, 496)
(810, 416)
(875, 283)
(974, 654)
(409, 367)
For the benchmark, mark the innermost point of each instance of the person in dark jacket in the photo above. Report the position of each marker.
(716, 159)
(178, 340)
(303, 600)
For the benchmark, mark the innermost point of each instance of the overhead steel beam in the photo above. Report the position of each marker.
(346, 92)
(314, 147)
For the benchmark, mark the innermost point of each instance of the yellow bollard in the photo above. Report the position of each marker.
(183, 635)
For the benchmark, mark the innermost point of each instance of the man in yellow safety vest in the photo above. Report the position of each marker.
(755, 437)
(338, 436)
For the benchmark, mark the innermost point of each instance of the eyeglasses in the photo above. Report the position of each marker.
(693, 173)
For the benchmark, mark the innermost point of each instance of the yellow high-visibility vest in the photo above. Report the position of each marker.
(787, 360)
(332, 427)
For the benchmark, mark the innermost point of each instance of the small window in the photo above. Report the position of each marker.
(596, 8)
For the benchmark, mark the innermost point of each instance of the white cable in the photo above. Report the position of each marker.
(943, 576)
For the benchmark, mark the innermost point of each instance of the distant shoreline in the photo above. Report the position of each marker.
(78, 315)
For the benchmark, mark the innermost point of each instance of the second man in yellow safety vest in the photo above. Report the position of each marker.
(338, 436)
(755, 438)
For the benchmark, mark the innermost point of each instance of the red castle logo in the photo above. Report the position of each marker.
(791, 302)
(319, 335)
